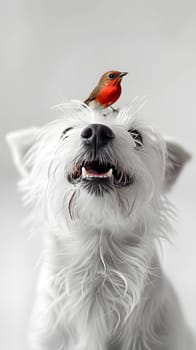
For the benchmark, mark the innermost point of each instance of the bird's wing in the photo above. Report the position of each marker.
(92, 95)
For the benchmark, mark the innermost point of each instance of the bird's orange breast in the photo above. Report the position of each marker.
(108, 95)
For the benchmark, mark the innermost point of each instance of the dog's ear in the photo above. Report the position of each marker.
(177, 157)
(20, 142)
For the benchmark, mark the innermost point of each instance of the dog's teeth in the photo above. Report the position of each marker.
(84, 173)
(110, 172)
(88, 174)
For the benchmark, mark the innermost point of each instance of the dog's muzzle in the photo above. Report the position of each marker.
(98, 173)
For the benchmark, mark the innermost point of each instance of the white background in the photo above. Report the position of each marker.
(52, 51)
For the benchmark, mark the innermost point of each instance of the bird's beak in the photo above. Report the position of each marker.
(122, 74)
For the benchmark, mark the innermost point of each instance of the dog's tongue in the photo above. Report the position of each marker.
(92, 172)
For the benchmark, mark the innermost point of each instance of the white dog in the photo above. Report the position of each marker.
(96, 184)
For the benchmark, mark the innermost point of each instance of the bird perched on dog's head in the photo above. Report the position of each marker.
(107, 91)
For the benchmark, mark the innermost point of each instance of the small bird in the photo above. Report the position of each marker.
(107, 91)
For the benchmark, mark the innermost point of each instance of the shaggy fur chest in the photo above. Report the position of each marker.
(98, 285)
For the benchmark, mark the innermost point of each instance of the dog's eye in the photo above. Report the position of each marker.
(63, 135)
(136, 136)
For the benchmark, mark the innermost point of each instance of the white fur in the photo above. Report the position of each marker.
(101, 284)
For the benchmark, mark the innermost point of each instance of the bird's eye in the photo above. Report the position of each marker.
(63, 135)
(111, 76)
(136, 135)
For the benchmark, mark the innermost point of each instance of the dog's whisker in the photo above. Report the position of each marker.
(70, 203)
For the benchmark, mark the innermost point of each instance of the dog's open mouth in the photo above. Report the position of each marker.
(95, 172)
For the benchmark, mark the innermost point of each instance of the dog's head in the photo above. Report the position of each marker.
(96, 169)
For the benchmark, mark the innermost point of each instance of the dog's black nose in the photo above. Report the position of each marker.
(97, 135)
